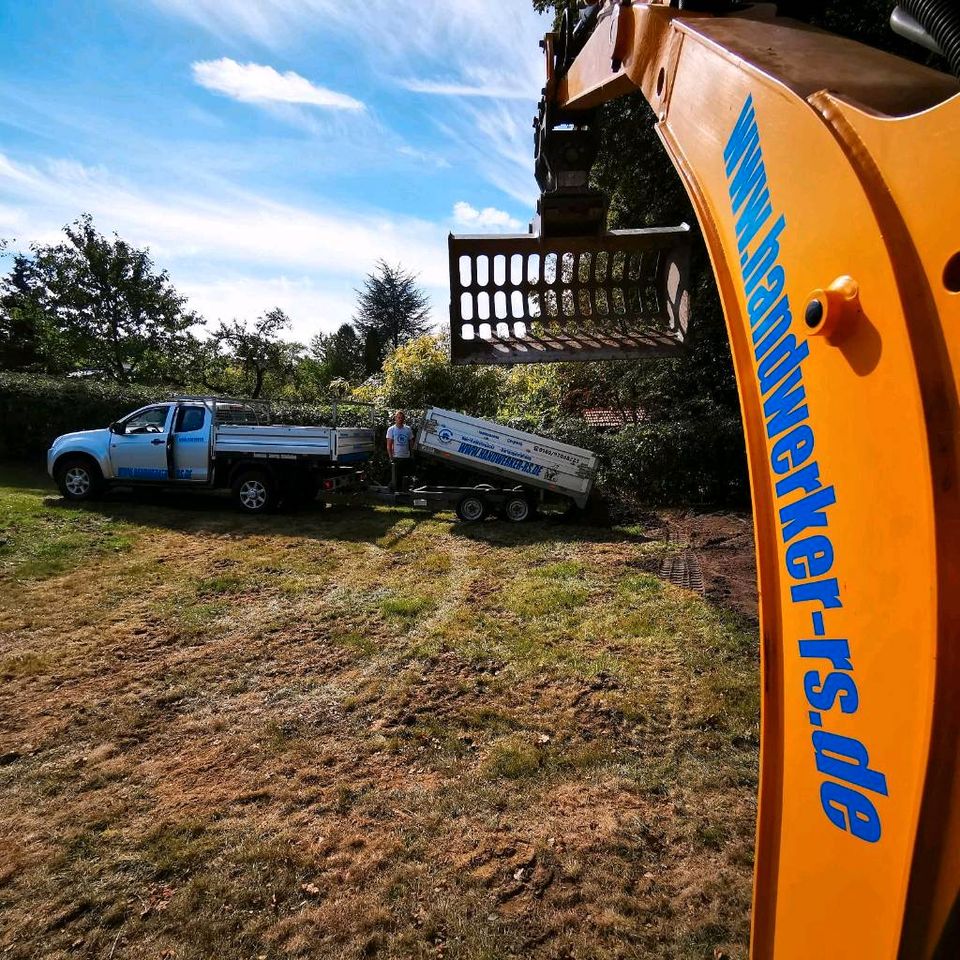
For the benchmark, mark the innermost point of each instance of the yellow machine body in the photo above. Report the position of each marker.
(824, 178)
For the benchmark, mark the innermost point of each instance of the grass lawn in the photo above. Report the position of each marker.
(362, 733)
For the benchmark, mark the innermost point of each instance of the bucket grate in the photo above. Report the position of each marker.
(529, 299)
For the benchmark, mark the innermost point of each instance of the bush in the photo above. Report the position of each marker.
(419, 374)
(680, 462)
(34, 410)
(666, 462)
(669, 462)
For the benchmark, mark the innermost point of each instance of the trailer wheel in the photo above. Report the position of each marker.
(517, 509)
(471, 508)
(78, 478)
(254, 491)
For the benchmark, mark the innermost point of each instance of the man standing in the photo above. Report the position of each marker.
(399, 439)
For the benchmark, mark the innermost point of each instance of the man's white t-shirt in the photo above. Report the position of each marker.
(401, 437)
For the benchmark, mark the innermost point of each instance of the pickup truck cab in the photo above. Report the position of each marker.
(209, 442)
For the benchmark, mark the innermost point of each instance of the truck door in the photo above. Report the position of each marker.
(191, 442)
(138, 444)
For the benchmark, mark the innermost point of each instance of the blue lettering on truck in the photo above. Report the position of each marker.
(804, 500)
(500, 459)
(150, 473)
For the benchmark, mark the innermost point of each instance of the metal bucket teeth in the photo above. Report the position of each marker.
(529, 299)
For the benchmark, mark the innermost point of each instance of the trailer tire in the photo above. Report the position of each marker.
(471, 508)
(79, 478)
(517, 509)
(255, 491)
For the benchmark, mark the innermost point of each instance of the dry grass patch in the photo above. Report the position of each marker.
(364, 732)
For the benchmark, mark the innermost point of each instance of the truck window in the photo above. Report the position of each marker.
(151, 420)
(189, 419)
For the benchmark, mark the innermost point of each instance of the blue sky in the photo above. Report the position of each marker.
(269, 151)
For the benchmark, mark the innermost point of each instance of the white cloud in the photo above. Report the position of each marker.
(466, 215)
(237, 253)
(441, 88)
(478, 59)
(311, 306)
(256, 83)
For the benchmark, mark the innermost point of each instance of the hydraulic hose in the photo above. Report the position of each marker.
(941, 19)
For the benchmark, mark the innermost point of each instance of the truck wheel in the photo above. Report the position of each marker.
(471, 508)
(254, 491)
(517, 509)
(79, 478)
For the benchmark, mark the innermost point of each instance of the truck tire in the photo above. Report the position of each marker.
(255, 491)
(471, 508)
(516, 508)
(79, 478)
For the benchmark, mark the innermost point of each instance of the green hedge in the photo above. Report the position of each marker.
(34, 410)
(673, 462)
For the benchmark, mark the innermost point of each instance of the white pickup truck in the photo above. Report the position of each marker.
(209, 442)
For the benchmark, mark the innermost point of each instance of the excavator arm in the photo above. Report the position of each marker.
(823, 174)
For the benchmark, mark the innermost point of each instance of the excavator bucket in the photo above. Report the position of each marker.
(568, 290)
(534, 299)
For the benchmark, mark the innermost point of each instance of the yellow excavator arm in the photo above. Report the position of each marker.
(823, 174)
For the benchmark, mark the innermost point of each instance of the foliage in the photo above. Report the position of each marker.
(339, 355)
(21, 319)
(254, 351)
(419, 374)
(532, 395)
(94, 303)
(35, 409)
(391, 310)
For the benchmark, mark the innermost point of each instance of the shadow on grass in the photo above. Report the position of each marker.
(199, 512)
(204, 511)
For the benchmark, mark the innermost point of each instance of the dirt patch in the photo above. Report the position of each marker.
(724, 545)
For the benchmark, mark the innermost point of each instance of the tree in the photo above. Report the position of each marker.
(21, 319)
(391, 310)
(339, 355)
(419, 374)
(99, 303)
(255, 350)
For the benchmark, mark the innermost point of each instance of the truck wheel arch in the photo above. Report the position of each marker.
(243, 465)
(78, 455)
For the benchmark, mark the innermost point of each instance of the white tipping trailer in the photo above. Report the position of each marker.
(511, 456)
